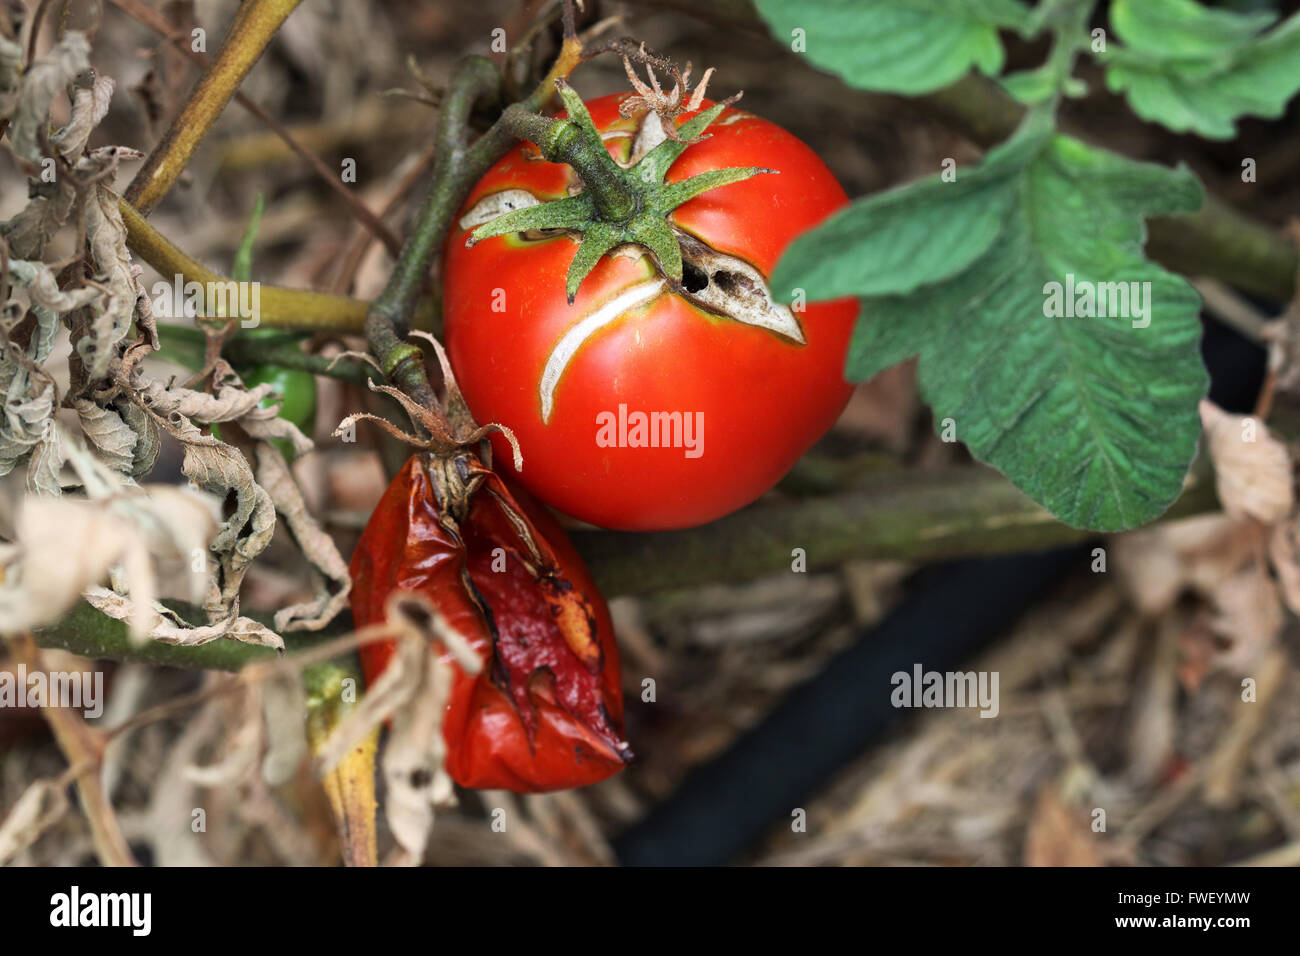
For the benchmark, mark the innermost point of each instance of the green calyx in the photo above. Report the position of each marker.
(616, 205)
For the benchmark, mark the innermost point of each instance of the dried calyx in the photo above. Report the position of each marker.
(616, 206)
(667, 105)
(452, 438)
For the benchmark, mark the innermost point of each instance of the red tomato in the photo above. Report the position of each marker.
(546, 710)
(754, 399)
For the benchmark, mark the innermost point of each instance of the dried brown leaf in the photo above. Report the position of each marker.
(121, 532)
(30, 231)
(334, 583)
(106, 235)
(46, 464)
(219, 469)
(1160, 562)
(1248, 612)
(89, 105)
(167, 627)
(147, 434)
(108, 434)
(266, 425)
(46, 577)
(46, 77)
(1252, 468)
(42, 287)
(42, 805)
(228, 404)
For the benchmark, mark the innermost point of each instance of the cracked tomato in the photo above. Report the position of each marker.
(642, 406)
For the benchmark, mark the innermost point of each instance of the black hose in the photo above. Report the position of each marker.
(952, 612)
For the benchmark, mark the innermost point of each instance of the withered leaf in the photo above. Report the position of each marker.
(42, 805)
(219, 469)
(106, 236)
(46, 464)
(108, 434)
(1252, 468)
(148, 437)
(267, 426)
(42, 286)
(229, 404)
(30, 231)
(170, 628)
(89, 106)
(26, 418)
(334, 583)
(46, 78)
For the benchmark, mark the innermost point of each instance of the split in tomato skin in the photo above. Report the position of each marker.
(539, 716)
(759, 401)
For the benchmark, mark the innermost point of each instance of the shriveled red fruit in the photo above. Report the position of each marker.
(546, 710)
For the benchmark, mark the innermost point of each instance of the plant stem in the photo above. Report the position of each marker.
(241, 350)
(280, 308)
(84, 750)
(389, 316)
(350, 784)
(1220, 242)
(926, 516)
(255, 24)
(187, 346)
(562, 141)
(457, 166)
(475, 78)
(89, 633)
(907, 516)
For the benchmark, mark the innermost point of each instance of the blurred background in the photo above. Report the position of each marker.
(1120, 684)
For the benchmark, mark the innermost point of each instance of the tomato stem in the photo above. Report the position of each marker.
(457, 167)
(255, 24)
(281, 308)
(577, 144)
(617, 206)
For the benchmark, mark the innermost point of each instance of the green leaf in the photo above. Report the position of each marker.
(1093, 417)
(1198, 70)
(1184, 28)
(242, 269)
(1039, 85)
(897, 46)
(1030, 86)
(897, 241)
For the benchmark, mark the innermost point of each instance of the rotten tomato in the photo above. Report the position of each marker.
(545, 712)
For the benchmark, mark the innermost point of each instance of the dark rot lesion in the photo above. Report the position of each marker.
(545, 641)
